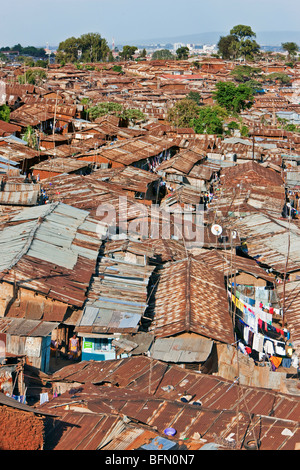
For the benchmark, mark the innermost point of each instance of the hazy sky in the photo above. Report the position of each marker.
(36, 22)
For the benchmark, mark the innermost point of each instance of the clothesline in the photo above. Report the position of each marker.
(253, 334)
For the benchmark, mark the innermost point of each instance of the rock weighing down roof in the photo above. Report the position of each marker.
(51, 249)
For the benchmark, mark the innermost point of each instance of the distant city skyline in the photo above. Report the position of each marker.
(37, 23)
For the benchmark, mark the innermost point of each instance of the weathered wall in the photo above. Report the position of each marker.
(20, 430)
(230, 366)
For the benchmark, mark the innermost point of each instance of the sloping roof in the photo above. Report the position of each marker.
(129, 178)
(151, 392)
(230, 263)
(51, 249)
(118, 295)
(250, 173)
(23, 194)
(196, 302)
(183, 161)
(12, 403)
(267, 240)
(136, 149)
(182, 349)
(24, 327)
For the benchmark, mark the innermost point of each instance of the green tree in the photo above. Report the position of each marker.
(248, 48)
(195, 96)
(209, 120)
(90, 47)
(233, 98)
(110, 57)
(291, 48)
(244, 73)
(228, 47)
(143, 53)
(94, 48)
(4, 113)
(117, 68)
(30, 137)
(244, 35)
(33, 77)
(182, 53)
(244, 131)
(68, 50)
(183, 113)
(247, 74)
(242, 32)
(105, 108)
(162, 54)
(239, 43)
(128, 52)
(133, 115)
(280, 77)
(41, 63)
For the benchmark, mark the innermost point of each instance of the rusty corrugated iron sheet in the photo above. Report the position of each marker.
(217, 410)
(57, 254)
(197, 302)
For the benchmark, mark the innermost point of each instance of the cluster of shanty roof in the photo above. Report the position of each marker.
(200, 409)
(138, 278)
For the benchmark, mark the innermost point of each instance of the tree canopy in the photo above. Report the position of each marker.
(128, 52)
(33, 76)
(28, 50)
(110, 108)
(209, 120)
(4, 113)
(182, 53)
(234, 98)
(239, 43)
(183, 112)
(195, 96)
(90, 47)
(252, 76)
(162, 54)
(291, 47)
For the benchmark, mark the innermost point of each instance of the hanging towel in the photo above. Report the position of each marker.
(269, 347)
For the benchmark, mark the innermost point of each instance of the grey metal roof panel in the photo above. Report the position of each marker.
(34, 212)
(58, 256)
(44, 329)
(182, 349)
(21, 327)
(70, 223)
(13, 243)
(70, 211)
(87, 253)
(55, 235)
(89, 316)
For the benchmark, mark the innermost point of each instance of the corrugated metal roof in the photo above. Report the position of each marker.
(25, 327)
(43, 240)
(190, 348)
(267, 240)
(219, 411)
(197, 302)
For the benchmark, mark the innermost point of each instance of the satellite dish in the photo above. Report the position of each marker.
(216, 229)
